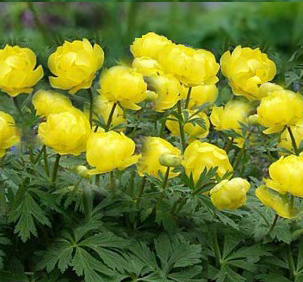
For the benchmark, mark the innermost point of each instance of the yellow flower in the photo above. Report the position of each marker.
(191, 67)
(49, 102)
(286, 175)
(109, 150)
(192, 130)
(230, 194)
(168, 89)
(280, 109)
(147, 66)
(267, 88)
(8, 133)
(103, 107)
(201, 95)
(274, 200)
(153, 148)
(74, 65)
(230, 116)
(285, 140)
(17, 70)
(246, 69)
(65, 132)
(149, 45)
(199, 156)
(124, 85)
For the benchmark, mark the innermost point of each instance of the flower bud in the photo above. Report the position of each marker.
(151, 96)
(83, 171)
(253, 119)
(169, 160)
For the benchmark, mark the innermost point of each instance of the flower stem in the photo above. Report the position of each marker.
(39, 155)
(17, 106)
(97, 180)
(91, 106)
(112, 182)
(293, 140)
(291, 265)
(46, 167)
(182, 134)
(188, 97)
(165, 182)
(55, 170)
(273, 224)
(110, 117)
(216, 248)
(141, 191)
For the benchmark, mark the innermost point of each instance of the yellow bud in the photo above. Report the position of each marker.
(151, 96)
(18, 74)
(246, 69)
(253, 119)
(74, 65)
(8, 133)
(83, 171)
(170, 160)
(280, 109)
(230, 194)
(129, 88)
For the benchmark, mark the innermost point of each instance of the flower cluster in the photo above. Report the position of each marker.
(178, 83)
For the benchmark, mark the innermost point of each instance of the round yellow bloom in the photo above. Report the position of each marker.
(103, 107)
(192, 130)
(147, 66)
(286, 175)
(280, 109)
(65, 132)
(246, 69)
(8, 133)
(191, 67)
(17, 70)
(230, 194)
(274, 200)
(149, 45)
(168, 89)
(230, 116)
(285, 140)
(267, 88)
(153, 149)
(199, 156)
(124, 85)
(49, 102)
(74, 65)
(201, 95)
(109, 150)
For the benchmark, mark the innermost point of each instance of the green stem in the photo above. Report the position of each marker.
(188, 97)
(293, 140)
(141, 192)
(110, 117)
(97, 180)
(39, 155)
(112, 182)
(292, 204)
(291, 264)
(162, 128)
(165, 182)
(91, 106)
(273, 224)
(55, 170)
(17, 106)
(132, 184)
(216, 248)
(46, 167)
(182, 134)
(228, 144)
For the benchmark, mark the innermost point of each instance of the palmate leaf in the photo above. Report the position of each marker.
(26, 214)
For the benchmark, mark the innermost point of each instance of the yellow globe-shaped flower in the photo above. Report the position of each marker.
(17, 70)
(193, 130)
(147, 66)
(246, 69)
(285, 139)
(274, 200)
(168, 90)
(124, 85)
(49, 102)
(280, 109)
(8, 132)
(110, 150)
(190, 66)
(149, 45)
(286, 175)
(201, 95)
(74, 65)
(230, 116)
(153, 149)
(65, 132)
(230, 194)
(200, 155)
